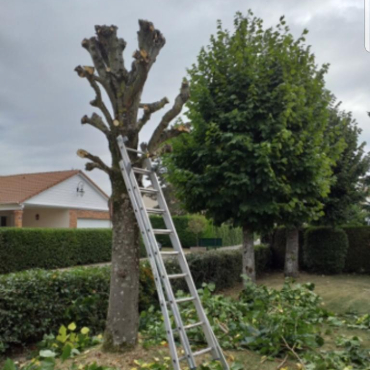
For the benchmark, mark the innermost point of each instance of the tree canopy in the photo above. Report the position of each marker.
(349, 190)
(259, 109)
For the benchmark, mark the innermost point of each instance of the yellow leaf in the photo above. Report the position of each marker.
(85, 330)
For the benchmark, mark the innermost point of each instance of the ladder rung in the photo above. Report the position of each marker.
(191, 326)
(162, 231)
(155, 210)
(141, 171)
(198, 353)
(202, 351)
(135, 151)
(149, 191)
(175, 253)
(177, 276)
(186, 299)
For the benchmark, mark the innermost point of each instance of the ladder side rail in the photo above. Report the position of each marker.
(157, 280)
(210, 337)
(127, 169)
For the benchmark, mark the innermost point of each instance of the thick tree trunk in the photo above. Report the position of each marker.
(291, 254)
(249, 268)
(123, 311)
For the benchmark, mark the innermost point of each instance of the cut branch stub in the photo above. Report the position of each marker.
(111, 48)
(97, 162)
(149, 109)
(150, 39)
(96, 121)
(81, 153)
(180, 100)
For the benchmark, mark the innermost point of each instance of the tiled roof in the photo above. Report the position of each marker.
(18, 188)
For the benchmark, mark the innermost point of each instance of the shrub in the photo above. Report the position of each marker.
(37, 302)
(22, 249)
(358, 257)
(325, 249)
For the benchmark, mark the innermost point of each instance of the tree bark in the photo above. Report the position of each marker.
(291, 254)
(249, 268)
(124, 89)
(123, 311)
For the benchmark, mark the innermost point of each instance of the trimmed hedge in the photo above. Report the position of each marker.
(22, 249)
(358, 257)
(325, 249)
(36, 302)
(358, 254)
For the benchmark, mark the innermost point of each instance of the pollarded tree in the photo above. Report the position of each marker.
(259, 110)
(124, 89)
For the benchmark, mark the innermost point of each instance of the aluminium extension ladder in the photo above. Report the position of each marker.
(167, 299)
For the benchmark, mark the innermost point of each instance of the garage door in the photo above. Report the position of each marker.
(88, 223)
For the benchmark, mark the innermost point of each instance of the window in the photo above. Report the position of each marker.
(3, 220)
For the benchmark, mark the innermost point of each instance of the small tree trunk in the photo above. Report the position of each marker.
(249, 268)
(121, 330)
(291, 253)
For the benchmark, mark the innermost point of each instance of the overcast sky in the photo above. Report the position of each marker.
(42, 100)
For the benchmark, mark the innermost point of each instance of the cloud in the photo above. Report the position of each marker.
(42, 100)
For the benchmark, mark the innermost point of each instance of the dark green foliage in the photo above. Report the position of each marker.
(325, 249)
(260, 320)
(358, 257)
(22, 249)
(36, 302)
(263, 258)
(350, 189)
(257, 153)
(278, 246)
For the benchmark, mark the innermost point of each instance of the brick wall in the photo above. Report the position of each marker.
(18, 218)
(74, 215)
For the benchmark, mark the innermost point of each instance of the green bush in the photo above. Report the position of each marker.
(22, 249)
(278, 247)
(36, 302)
(325, 249)
(358, 257)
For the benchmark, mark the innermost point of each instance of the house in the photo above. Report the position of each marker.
(63, 199)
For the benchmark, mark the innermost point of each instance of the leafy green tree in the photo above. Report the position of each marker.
(256, 154)
(349, 190)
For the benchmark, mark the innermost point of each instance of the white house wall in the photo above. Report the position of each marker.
(47, 217)
(65, 195)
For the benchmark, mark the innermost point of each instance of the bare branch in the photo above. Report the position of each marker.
(112, 49)
(151, 42)
(98, 101)
(173, 132)
(148, 110)
(96, 121)
(180, 100)
(97, 162)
